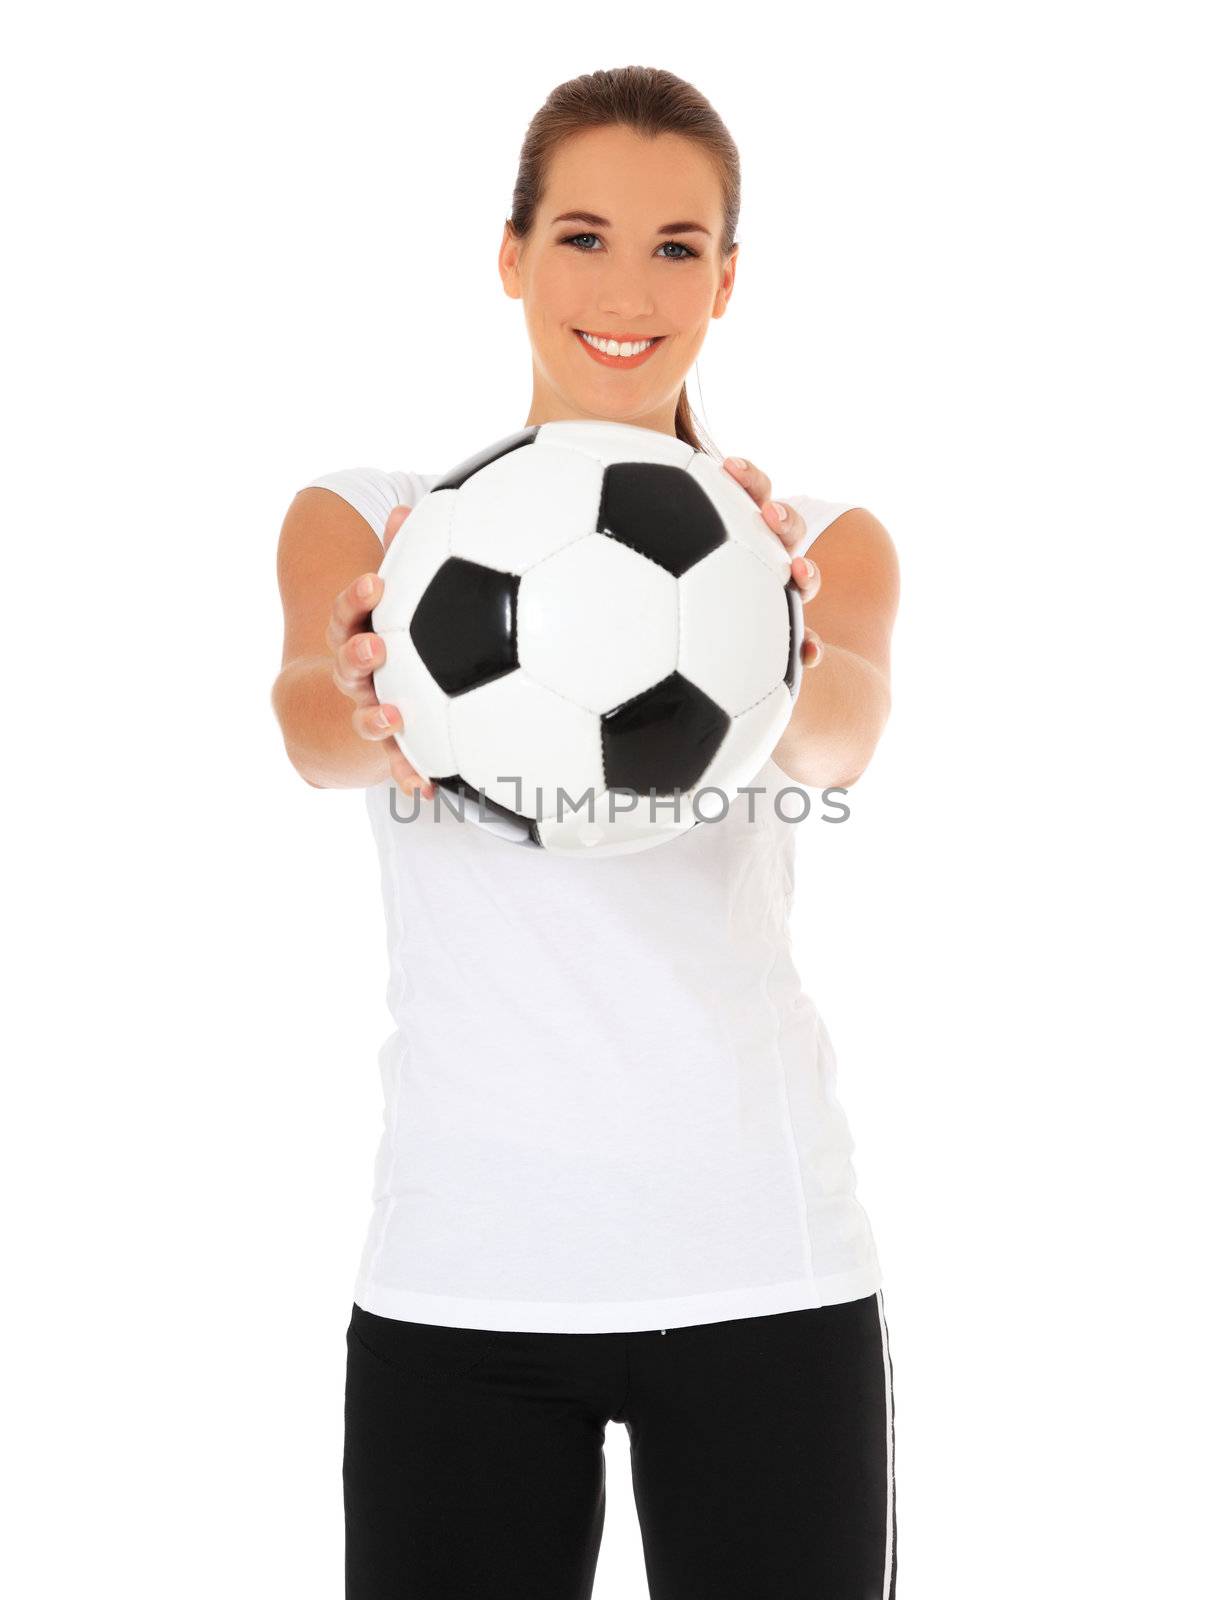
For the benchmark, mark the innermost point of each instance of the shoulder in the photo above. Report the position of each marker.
(374, 492)
(837, 520)
(818, 515)
(857, 535)
(857, 603)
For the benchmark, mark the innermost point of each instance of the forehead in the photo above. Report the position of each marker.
(625, 176)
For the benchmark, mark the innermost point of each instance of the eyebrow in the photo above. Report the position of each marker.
(602, 222)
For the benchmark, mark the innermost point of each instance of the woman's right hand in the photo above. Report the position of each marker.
(357, 652)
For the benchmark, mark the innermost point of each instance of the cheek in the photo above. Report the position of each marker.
(688, 307)
(558, 284)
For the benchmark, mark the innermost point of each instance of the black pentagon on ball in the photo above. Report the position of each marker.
(663, 738)
(465, 625)
(526, 827)
(493, 452)
(661, 512)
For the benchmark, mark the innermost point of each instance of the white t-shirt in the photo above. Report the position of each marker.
(609, 1104)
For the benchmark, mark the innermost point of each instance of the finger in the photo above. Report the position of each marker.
(352, 608)
(752, 478)
(393, 522)
(363, 692)
(376, 721)
(812, 649)
(785, 521)
(806, 576)
(357, 659)
(405, 776)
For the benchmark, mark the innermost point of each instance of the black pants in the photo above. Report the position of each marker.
(761, 1451)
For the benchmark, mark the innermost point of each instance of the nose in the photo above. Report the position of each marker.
(627, 301)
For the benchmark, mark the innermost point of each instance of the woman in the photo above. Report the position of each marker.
(614, 1183)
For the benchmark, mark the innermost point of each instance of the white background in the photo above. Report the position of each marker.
(982, 291)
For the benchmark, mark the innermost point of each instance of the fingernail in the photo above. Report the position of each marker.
(778, 509)
(738, 463)
(365, 648)
(811, 566)
(366, 587)
(380, 719)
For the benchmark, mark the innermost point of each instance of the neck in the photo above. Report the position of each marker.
(548, 406)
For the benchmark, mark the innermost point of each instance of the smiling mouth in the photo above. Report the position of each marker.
(617, 360)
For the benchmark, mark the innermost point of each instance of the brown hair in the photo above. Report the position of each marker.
(651, 101)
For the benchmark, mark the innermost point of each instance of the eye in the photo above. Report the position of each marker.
(678, 244)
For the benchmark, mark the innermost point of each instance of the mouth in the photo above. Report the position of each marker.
(606, 360)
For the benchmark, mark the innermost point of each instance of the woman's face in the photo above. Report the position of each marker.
(621, 276)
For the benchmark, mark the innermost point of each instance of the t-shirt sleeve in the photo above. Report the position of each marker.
(374, 492)
(817, 515)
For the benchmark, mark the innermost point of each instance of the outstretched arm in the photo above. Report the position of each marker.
(844, 699)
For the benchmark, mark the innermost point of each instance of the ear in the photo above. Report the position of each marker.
(508, 262)
(726, 287)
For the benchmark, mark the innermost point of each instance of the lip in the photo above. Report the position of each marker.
(615, 361)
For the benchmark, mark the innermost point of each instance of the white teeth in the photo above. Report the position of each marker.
(613, 347)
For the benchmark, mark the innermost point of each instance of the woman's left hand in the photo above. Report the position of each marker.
(789, 528)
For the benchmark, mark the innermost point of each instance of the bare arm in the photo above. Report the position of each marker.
(336, 732)
(316, 729)
(843, 702)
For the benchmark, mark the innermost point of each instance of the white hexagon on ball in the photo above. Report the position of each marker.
(734, 627)
(515, 728)
(597, 623)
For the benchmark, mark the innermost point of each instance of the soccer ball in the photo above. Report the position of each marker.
(585, 625)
